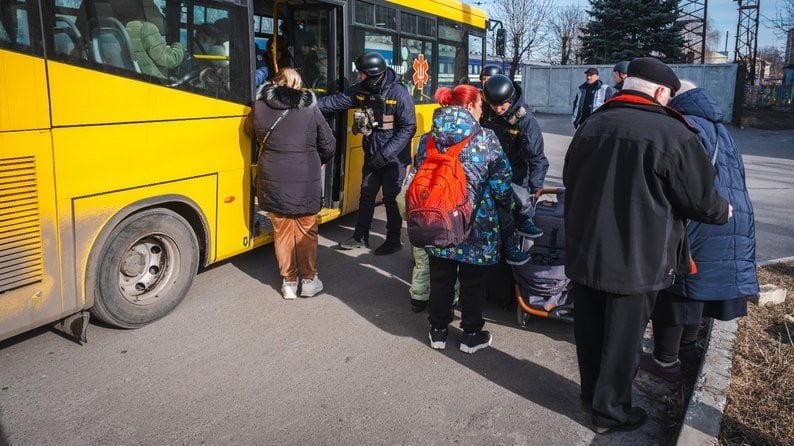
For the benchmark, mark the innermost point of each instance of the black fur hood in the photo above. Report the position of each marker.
(282, 98)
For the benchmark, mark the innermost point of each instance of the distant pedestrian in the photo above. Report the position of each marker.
(488, 180)
(589, 97)
(620, 73)
(295, 140)
(634, 172)
(724, 255)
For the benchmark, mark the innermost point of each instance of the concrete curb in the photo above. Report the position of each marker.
(703, 416)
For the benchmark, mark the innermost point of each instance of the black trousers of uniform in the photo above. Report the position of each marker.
(443, 274)
(609, 329)
(390, 179)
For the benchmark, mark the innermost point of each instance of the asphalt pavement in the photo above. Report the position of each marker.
(236, 364)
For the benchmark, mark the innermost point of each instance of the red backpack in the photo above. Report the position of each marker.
(439, 210)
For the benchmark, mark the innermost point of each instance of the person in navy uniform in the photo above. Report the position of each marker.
(387, 120)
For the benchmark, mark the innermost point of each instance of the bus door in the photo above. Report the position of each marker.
(315, 40)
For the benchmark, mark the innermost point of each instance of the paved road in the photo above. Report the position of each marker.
(236, 364)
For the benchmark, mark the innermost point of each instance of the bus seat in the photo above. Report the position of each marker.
(110, 44)
(68, 39)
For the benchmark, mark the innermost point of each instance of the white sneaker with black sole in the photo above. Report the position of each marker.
(471, 342)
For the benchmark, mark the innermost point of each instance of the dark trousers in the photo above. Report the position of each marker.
(443, 274)
(609, 329)
(507, 224)
(668, 339)
(389, 178)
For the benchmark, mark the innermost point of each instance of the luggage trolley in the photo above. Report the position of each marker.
(541, 287)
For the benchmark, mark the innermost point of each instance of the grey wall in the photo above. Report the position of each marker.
(551, 89)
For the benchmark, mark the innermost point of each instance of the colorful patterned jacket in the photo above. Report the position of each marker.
(488, 176)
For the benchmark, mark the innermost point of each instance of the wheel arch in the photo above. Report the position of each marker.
(180, 204)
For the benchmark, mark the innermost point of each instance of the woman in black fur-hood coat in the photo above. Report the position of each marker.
(288, 170)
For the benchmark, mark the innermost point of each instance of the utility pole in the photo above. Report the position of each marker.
(693, 19)
(747, 37)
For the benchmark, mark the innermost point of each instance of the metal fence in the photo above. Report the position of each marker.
(765, 96)
(552, 89)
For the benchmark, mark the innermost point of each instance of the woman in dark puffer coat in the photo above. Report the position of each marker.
(724, 255)
(289, 181)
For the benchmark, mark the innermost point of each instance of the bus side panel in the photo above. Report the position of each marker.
(23, 93)
(30, 276)
(90, 215)
(113, 99)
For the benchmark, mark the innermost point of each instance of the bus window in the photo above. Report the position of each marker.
(365, 40)
(375, 15)
(453, 56)
(417, 62)
(19, 28)
(176, 44)
(475, 56)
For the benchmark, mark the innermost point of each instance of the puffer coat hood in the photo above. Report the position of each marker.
(724, 254)
(282, 98)
(697, 102)
(488, 178)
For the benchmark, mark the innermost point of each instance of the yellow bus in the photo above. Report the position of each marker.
(125, 165)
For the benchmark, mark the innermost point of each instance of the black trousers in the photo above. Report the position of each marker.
(390, 179)
(668, 339)
(443, 274)
(609, 329)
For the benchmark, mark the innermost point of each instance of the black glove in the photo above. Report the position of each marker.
(378, 161)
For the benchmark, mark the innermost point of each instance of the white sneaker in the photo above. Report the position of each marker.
(289, 290)
(310, 287)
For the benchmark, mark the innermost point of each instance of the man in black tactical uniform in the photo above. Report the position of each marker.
(488, 71)
(519, 133)
(387, 119)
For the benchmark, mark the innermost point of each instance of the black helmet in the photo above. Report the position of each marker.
(622, 67)
(371, 64)
(498, 89)
(490, 70)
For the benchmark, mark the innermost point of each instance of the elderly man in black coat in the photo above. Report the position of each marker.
(634, 173)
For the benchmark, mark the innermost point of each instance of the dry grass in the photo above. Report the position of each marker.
(760, 408)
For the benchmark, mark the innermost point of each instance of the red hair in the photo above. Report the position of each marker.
(462, 95)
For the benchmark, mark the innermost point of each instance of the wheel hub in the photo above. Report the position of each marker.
(144, 269)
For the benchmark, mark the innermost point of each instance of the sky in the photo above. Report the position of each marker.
(723, 14)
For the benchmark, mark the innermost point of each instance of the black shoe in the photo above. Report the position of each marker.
(418, 306)
(388, 248)
(438, 338)
(471, 342)
(637, 417)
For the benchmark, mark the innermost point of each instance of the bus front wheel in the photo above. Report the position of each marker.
(145, 268)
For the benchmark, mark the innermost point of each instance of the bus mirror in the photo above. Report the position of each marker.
(500, 42)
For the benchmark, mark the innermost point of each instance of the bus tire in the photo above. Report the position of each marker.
(145, 268)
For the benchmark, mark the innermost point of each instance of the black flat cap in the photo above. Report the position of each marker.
(654, 70)
(591, 71)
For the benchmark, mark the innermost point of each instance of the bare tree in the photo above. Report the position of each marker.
(525, 25)
(566, 24)
(784, 20)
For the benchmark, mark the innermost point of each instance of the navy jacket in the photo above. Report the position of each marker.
(521, 141)
(395, 143)
(725, 255)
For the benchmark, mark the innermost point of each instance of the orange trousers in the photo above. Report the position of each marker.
(295, 245)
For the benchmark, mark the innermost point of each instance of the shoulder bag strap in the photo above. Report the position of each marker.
(269, 131)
